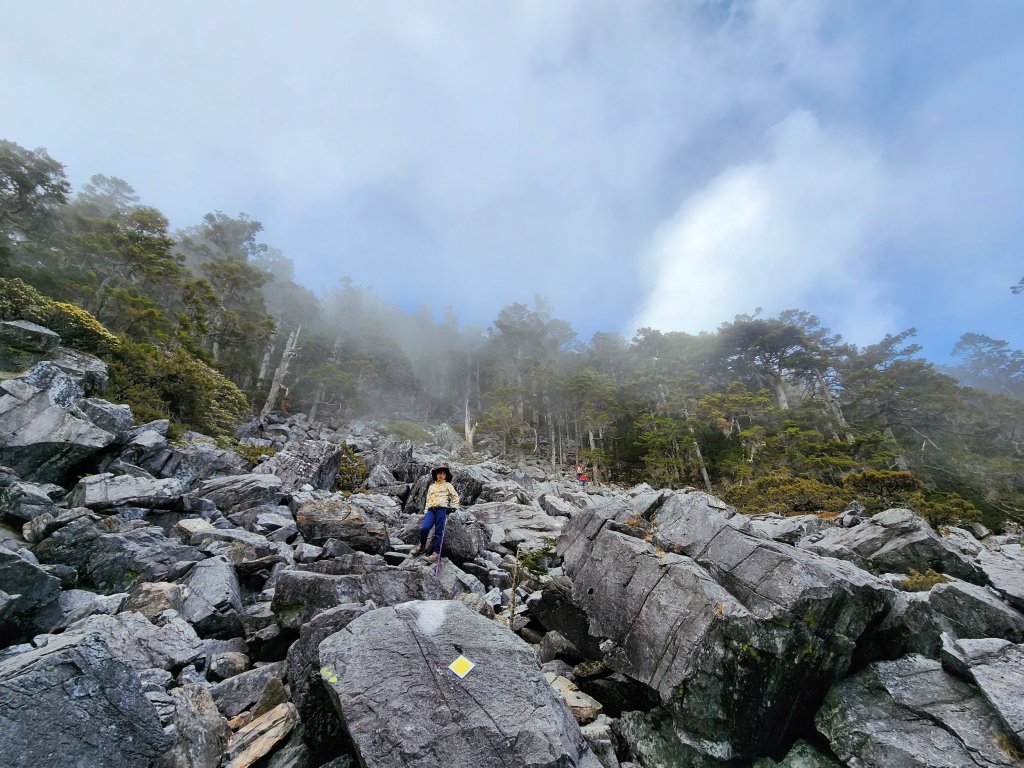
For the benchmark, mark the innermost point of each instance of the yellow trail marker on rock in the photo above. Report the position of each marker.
(461, 666)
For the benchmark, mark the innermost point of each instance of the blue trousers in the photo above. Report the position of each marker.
(435, 518)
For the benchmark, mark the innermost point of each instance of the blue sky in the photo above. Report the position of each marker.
(663, 164)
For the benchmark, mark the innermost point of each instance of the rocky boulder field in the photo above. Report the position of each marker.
(170, 603)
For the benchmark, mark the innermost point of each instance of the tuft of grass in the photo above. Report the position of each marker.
(922, 582)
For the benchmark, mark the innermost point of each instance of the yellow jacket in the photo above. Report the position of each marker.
(438, 495)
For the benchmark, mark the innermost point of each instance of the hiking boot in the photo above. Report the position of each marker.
(417, 550)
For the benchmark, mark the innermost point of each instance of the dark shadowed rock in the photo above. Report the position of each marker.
(23, 343)
(385, 664)
(201, 732)
(213, 603)
(114, 418)
(307, 461)
(909, 713)
(190, 463)
(24, 501)
(463, 541)
(970, 611)
(239, 693)
(72, 703)
(32, 602)
(322, 728)
(144, 553)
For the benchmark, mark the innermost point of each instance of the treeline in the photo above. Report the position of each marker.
(772, 413)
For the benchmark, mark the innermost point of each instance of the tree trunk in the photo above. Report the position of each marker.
(282, 371)
(901, 461)
(470, 427)
(780, 392)
(265, 364)
(552, 441)
(834, 407)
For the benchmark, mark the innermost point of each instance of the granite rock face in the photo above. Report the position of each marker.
(71, 703)
(909, 713)
(307, 461)
(386, 663)
(896, 540)
(740, 635)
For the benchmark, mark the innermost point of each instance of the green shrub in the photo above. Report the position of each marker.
(879, 489)
(534, 561)
(407, 430)
(352, 471)
(786, 495)
(251, 453)
(946, 509)
(161, 384)
(922, 582)
(77, 328)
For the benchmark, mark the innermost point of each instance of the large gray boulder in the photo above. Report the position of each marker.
(105, 490)
(72, 704)
(512, 523)
(362, 521)
(386, 663)
(788, 529)
(300, 595)
(909, 713)
(997, 668)
(190, 463)
(201, 732)
(114, 555)
(896, 540)
(741, 636)
(32, 601)
(213, 600)
(135, 640)
(1004, 567)
(234, 493)
(42, 435)
(239, 693)
(307, 461)
(322, 729)
(970, 611)
(113, 417)
(24, 501)
(23, 343)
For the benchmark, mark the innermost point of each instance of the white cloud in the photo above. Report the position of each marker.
(793, 229)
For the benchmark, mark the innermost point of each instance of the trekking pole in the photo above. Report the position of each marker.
(440, 549)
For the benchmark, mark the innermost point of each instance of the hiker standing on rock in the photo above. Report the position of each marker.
(441, 498)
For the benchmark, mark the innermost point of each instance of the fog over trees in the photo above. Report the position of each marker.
(774, 413)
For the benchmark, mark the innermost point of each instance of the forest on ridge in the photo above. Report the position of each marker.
(780, 414)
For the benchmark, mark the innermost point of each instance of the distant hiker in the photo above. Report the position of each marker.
(583, 479)
(579, 471)
(441, 499)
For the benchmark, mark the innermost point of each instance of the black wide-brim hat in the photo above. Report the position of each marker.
(442, 468)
